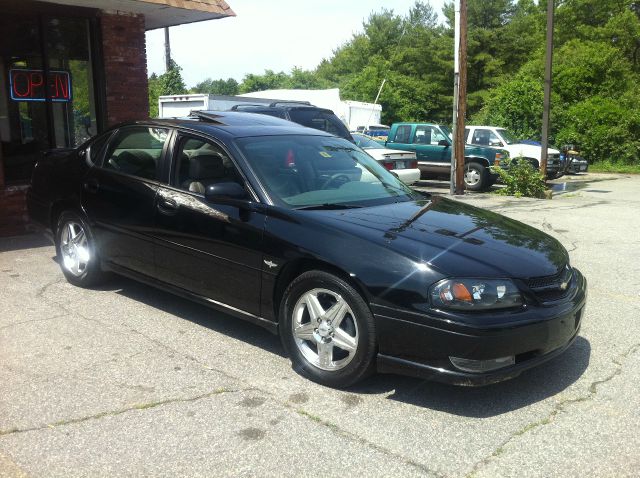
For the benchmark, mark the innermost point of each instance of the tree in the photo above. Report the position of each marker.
(169, 83)
(268, 81)
(516, 105)
(217, 87)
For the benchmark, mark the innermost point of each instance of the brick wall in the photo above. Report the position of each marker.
(14, 218)
(125, 67)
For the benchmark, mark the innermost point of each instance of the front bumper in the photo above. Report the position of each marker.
(578, 166)
(418, 345)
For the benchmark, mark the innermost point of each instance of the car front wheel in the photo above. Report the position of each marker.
(475, 176)
(327, 329)
(76, 250)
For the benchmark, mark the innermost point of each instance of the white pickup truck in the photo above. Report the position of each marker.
(503, 139)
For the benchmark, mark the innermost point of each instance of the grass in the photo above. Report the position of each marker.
(612, 167)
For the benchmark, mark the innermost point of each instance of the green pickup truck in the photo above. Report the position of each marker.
(432, 145)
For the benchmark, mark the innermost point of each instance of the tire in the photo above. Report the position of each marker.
(76, 250)
(335, 356)
(475, 176)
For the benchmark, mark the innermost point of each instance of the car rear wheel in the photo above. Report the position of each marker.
(76, 250)
(327, 329)
(475, 176)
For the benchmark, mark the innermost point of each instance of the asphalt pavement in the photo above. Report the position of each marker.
(126, 380)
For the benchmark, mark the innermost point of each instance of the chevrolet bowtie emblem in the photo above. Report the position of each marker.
(270, 264)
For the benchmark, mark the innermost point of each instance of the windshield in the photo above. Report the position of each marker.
(446, 131)
(302, 171)
(365, 142)
(507, 136)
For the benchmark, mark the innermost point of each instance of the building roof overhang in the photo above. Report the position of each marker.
(159, 13)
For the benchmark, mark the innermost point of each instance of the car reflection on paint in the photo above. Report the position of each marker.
(306, 235)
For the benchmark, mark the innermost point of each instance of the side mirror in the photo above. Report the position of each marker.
(443, 142)
(225, 193)
(496, 143)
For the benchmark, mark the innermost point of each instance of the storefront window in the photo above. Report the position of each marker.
(47, 97)
(68, 51)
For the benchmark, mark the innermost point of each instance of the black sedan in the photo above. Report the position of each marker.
(305, 234)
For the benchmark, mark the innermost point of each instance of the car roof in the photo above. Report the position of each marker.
(281, 106)
(417, 123)
(236, 124)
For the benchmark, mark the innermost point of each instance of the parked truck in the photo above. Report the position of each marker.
(432, 145)
(354, 114)
(501, 138)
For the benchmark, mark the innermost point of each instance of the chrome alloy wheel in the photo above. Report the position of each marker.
(471, 176)
(74, 248)
(325, 329)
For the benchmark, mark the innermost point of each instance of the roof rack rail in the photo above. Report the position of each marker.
(238, 107)
(206, 116)
(290, 102)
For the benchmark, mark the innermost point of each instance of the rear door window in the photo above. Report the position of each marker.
(137, 150)
(403, 134)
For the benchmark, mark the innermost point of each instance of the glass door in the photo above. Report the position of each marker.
(47, 98)
(71, 80)
(23, 123)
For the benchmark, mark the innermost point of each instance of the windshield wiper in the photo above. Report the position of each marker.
(329, 206)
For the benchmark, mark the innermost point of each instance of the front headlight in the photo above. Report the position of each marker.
(475, 294)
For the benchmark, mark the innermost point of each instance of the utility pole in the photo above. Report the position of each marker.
(459, 97)
(167, 50)
(547, 90)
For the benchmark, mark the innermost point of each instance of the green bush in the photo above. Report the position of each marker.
(520, 179)
(606, 129)
(516, 105)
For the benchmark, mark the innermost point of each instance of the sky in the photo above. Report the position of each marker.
(266, 34)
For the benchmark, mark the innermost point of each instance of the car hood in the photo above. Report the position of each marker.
(528, 150)
(455, 238)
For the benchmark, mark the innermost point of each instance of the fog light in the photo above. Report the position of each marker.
(478, 366)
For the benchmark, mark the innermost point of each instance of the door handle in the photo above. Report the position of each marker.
(91, 185)
(167, 206)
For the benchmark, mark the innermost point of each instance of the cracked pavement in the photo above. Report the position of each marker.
(126, 380)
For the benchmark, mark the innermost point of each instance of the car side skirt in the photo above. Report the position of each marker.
(271, 326)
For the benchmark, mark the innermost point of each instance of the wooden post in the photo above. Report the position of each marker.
(456, 82)
(462, 99)
(547, 90)
(167, 50)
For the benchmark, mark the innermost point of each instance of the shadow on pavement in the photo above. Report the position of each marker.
(532, 386)
(480, 402)
(195, 313)
(26, 241)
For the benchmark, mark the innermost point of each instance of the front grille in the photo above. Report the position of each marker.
(550, 288)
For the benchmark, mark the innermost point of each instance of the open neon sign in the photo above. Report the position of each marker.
(29, 85)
